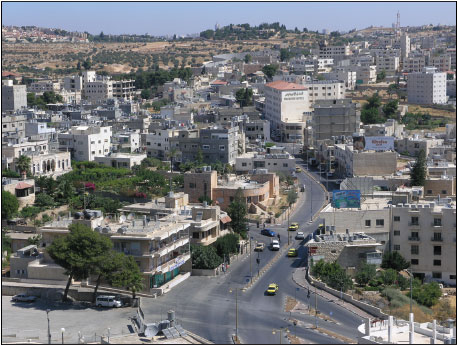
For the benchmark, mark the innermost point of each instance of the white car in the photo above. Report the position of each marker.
(300, 235)
(275, 245)
(23, 298)
(107, 301)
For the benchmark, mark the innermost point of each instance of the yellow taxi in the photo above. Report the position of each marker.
(293, 227)
(298, 169)
(292, 252)
(272, 289)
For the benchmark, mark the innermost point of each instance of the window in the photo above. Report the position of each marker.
(437, 262)
(437, 222)
(414, 250)
(438, 250)
(414, 235)
(437, 275)
(206, 147)
(414, 221)
(222, 147)
(452, 277)
(93, 152)
(397, 247)
(379, 222)
(429, 192)
(368, 223)
(397, 218)
(195, 235)
(437, 236)
(414, 261)
(285, 165)
(444, 192)
(243, 164)
(397, 233)
(192, 185)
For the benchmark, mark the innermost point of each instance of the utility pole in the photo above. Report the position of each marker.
(49, 330)
(316, 312)
(288, 224)
(311, 209)
(251, 271)
(236, 315)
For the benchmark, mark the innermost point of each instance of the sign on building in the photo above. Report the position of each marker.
(379, 143)
(346, 199)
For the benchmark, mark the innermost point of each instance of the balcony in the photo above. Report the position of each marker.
(168, 247)
(437, 239)
(414, 224)
(173, 263)
(414, 238)
(436, 226)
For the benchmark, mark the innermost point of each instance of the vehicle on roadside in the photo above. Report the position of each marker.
(259, 247)
(22, 297)
(16, 222)
(298, 169)
(300, 235)
(302, 188)
(108, 302)
(268, 232)
(292, 252)
(275, 245)
(272, 289)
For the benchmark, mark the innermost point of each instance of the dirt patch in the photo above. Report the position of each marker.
(290, 304)
(295, 340)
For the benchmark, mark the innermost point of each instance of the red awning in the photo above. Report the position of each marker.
(21, 185)
(225, 219)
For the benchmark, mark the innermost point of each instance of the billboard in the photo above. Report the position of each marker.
(359, 142)
(346, 199)
(379, 143)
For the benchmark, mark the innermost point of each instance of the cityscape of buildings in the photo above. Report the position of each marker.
(353, 141)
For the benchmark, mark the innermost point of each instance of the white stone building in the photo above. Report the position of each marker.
(427, 87)
(14, 97)
(158, 142)
(121, 160)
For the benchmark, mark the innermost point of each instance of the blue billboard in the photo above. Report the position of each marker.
(346, 199)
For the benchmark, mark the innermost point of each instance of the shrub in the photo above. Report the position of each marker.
(365, 273)
(395, 297)
(29, 212)
(205, 257)
(44, 200)
(427, 295)
(226, 245)
(10, 205)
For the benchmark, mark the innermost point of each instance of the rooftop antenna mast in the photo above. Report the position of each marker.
(398, 24)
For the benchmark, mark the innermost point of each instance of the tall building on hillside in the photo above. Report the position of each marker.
(14, 97)
(427, 87)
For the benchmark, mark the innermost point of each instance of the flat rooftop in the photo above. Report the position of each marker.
(368, 204)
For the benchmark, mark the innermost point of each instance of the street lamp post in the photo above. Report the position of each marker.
(251, 271)
(62, 330)
(49, 330)
(280, 330)
(410, 274)
(236, 313)
(311, 209)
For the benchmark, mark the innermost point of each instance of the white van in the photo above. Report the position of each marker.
(274, 245)
(107, 301)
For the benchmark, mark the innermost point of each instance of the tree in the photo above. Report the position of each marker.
(109, 263)
(78, 66)
(389, 276)
(199, 157)
(247, 58)
(285, 54)
(390, 108)
(65, 191)
(44, 200)
(237, 212)
(35, 240)
(226, 245)
(381, 76)
(23, 164)
(146, 94)
(418, 171)
(427, 295)
(370, 111)
(10, 205)
(79, 252)
(207, 199)
(244, 97)
(129, 276)
(365, 273)
(270, 70)
(87, 64)
(394, 260)
(205, 257)
(291, 197)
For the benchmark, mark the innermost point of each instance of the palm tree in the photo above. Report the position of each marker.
(23, 164)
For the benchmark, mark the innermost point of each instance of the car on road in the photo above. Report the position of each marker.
(108, 301)
(298, 169)
(259, 247)
(268, 232)
(292, 252)
(23, 298)
(275, 245)
(272, 289)
(300, 235)
(293, 227)
(302, 188)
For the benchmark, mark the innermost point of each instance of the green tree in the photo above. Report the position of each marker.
(87, 64)
(389, 276)
(418, 171)
(427, 294)
(129, 276)
(370, 110)
(65, 191)
(199, 157)
(205, 257)
(291, 197)
(247, 58)
(43, 200)
(226, 245)
(35, 240)
(381, 76)
(79, 252)
(10, 205)
(365, 273)
(244, 97)
(146, 94)
(23, 164)
(109, 263)
(285, 54)
(394, 260)
(237, 212)
(390, 108)
(207, 199)
(270, 70)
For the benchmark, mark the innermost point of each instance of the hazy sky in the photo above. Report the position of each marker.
(168, 18)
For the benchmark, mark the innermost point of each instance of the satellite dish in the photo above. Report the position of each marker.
(131, 216)
(122, 219)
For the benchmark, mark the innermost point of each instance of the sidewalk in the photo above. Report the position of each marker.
(299, 278)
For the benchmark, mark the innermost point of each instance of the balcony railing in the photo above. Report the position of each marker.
(436, 225)
(437, 239)
(414, 238)
(414, 224)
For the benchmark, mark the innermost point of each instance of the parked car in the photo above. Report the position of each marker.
(272, 289)
(302, 188)
(275, 245)
(23, 298)
(259, 247)
(300, 235)
(298, 169)
(268, 232)
(292, 252)
(107, 301)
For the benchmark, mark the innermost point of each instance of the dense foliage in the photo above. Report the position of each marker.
(332, 274)
(10, 205)
(394, 260)
(418, 171)
(237, 212)
(226, 245)
(204, 257)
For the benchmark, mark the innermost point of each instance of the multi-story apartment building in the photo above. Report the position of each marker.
(342, 74)
(387, 63)
(413, 145)
(99, 90)
(452, 52)
(86, 142)
(335, 118)
(325, 90)
(425, 234)
(427, 87)
(442, 63)
(13, 125)
(391, 128)
(43, 86)
(14, 97)
(158, 142)
(38, 130)
(405, 46)
(414, 64)
(282, 162)
(257, 130)
(124, 89)
(286, 105)
(73, 83)
(334, 52)
(126, 141)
